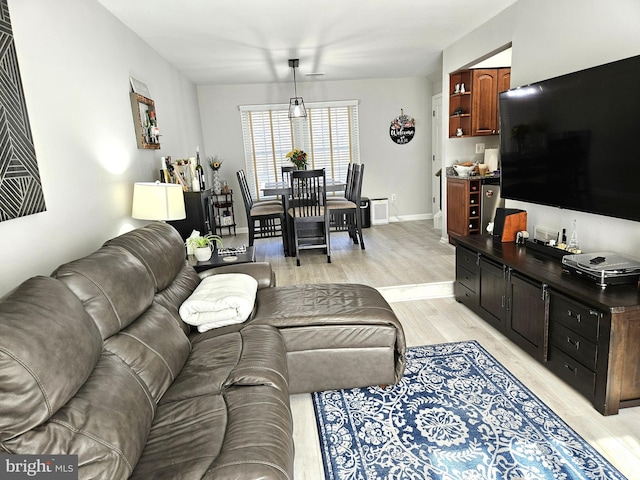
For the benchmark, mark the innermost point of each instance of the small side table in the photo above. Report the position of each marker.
(248, 256)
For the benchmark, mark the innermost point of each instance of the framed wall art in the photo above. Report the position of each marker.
(20, 185)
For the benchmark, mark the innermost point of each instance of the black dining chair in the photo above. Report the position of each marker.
(286, 170)
(348, 186)
(308, 212)
(264, 218)
(346, 215)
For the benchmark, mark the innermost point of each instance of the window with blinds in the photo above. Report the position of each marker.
(329, 135)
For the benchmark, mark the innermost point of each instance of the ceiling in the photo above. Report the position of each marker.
(250, 41)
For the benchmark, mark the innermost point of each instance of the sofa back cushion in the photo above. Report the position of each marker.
(118, 293)
(48, 349)
(106, 423)
(160, 248)
(113, 285)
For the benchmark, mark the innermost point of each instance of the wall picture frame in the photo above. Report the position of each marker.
(145, 122)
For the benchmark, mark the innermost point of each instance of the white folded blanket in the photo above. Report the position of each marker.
(220, 300)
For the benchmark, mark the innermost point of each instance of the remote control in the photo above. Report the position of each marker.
(597, 260)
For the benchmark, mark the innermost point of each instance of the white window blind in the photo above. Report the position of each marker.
(329, 135)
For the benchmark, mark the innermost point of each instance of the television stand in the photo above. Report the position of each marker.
(586, 335)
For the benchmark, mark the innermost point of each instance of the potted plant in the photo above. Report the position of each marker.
(203, 245)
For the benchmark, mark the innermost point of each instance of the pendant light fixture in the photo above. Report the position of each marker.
(296, 104)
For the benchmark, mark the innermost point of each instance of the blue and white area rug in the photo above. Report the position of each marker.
(457, 414)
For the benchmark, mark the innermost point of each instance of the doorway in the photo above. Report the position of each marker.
(436, 160)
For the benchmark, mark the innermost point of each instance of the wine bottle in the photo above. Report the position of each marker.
(199, 170)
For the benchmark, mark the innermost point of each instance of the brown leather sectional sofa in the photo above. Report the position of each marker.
(96, 362)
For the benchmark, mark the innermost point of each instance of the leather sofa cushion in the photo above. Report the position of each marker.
(113, 285)
(43, 327)
(118, 293)
(245, 432)
(253, 356)
(261, 271)
(154, 347)
(106, 423)
(319, 303)
(259, 436)
(263, 360)
(172, 297)
(159, 247)
(357, 324)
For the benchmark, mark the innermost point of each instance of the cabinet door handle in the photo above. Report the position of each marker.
(502, 306)
(575, 343)
(574, 315)
(574, 370)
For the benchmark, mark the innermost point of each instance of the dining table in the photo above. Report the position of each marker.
(283, 189)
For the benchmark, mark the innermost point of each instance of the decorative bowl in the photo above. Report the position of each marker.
(462, 170)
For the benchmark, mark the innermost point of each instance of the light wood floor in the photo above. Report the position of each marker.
(409, 253)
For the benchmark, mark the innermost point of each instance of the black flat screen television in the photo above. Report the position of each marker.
(574, 141)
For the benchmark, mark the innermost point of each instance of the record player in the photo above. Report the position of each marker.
(605, 268)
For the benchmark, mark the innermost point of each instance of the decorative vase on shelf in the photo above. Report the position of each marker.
(217, 184)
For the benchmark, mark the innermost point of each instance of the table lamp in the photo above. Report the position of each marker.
(158, 201)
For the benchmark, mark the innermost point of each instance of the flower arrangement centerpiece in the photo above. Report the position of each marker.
(298, 158)
(215, 163)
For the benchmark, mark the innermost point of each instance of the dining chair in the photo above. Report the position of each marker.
(346, 215)
(286, 170)
(308, 212)
(347, 188)
(265, 218)
(244, 185)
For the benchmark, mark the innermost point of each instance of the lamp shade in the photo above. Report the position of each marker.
(296, 108)
(158, 201)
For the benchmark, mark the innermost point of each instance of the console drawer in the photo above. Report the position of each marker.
(572, 371)
(464, 295)
(466, 278)
(467, 258)
(574, 345)
(579, 318)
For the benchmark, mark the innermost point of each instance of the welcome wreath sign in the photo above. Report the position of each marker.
(402, 129)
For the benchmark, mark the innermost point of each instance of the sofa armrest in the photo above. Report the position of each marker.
(261, 271)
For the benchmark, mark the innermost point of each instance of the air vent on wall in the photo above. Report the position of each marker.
(379, 211)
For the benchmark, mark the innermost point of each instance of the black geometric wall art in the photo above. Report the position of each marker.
(20, 186)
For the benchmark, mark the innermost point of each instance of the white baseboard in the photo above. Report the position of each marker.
(422, 291)
(409, 218)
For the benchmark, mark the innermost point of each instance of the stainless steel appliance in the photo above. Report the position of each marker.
(490, 201)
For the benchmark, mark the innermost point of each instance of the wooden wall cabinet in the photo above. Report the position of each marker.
(463, 206)
(460, 104)
(476, 111)
(586, 335)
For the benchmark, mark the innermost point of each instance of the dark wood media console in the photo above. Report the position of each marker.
(587, 335)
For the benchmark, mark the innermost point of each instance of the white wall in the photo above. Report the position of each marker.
(390, 168)
(552, 38)
(75, 59)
